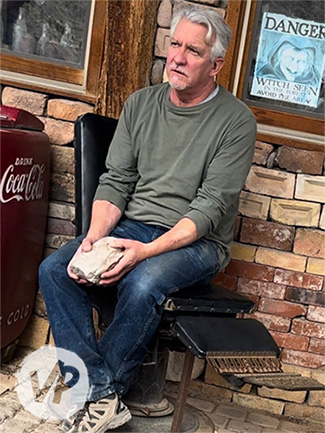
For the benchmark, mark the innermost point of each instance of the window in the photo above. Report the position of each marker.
(52, 43)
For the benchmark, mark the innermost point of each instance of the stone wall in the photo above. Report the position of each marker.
(278, 255)
(278, 261)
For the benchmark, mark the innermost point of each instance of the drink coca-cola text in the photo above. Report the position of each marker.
(22, 186)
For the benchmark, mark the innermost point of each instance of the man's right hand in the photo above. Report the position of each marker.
(86, 245)
(105, 216)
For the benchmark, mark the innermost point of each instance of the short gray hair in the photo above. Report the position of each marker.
(219, 34)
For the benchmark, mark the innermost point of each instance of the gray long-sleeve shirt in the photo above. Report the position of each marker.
(167, 162)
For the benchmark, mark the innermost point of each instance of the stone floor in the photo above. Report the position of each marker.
(225, 416)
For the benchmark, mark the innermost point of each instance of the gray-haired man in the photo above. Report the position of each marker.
(176, 166)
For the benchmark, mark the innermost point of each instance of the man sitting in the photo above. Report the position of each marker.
(176, 166)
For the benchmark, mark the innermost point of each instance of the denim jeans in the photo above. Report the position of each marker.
(112, 360)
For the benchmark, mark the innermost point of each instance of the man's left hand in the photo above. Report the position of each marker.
(134, 253)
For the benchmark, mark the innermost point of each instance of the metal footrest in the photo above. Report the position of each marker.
(288, 382)
(260, 369)
(243, 363)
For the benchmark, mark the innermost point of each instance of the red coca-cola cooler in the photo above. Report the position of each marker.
(24, 191)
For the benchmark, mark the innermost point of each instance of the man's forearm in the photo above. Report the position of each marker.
(105, 216)
(182, 234)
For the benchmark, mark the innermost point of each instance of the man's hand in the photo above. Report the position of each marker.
(134, 253)
(182, 234)
(86, 245)
(104, 218)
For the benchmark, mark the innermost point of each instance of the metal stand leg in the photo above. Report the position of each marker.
(182, 392)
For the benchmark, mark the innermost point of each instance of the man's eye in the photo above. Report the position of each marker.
(174, 44)
(193, 51)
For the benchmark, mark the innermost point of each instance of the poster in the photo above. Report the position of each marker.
(290, 60)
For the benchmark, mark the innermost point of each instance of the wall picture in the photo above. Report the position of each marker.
(290, 60)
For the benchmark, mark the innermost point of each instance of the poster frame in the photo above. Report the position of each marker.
(279, 124)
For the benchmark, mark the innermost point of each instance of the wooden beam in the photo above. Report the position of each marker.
(128, 52)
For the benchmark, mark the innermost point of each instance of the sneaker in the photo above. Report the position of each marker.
(99, 416)
(75, 418)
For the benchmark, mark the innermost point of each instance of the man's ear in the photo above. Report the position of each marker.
(217, 64)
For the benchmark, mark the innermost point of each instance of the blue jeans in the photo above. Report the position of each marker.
(112, 360)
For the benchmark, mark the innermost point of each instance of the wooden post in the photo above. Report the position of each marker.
(128, 52)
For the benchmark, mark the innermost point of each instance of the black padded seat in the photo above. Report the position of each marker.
(223, 334)
(93, 135)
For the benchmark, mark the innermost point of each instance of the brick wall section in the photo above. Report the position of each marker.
(278, 257)
(278, 254)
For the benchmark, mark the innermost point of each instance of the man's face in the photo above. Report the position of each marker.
(188, 62)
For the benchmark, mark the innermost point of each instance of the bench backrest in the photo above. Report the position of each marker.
(93, 135)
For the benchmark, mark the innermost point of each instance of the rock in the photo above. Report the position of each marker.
(103, 257)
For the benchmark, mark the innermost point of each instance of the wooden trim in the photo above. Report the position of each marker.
(80, 95)
(247, 48)
(96, 47)
(84, 80)
(128, 52)
(290, 141)
(288, 120)
(47, 70)
(234, 18)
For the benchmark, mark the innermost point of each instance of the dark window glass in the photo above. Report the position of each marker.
(46, 30)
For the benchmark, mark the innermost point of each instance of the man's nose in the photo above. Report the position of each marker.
(180, 56)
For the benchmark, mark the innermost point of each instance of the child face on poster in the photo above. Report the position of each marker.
(294, 62)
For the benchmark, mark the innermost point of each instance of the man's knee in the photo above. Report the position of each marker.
(48, 271)
(59, 260)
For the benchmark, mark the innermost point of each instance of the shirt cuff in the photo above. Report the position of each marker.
(109, 194)
(202, 222)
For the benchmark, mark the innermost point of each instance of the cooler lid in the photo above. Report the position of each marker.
(11, 117)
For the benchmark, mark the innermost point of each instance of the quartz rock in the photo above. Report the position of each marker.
(91, 264)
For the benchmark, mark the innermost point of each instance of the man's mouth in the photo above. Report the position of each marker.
(179, 71)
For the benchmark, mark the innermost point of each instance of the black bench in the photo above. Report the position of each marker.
(206, 323)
